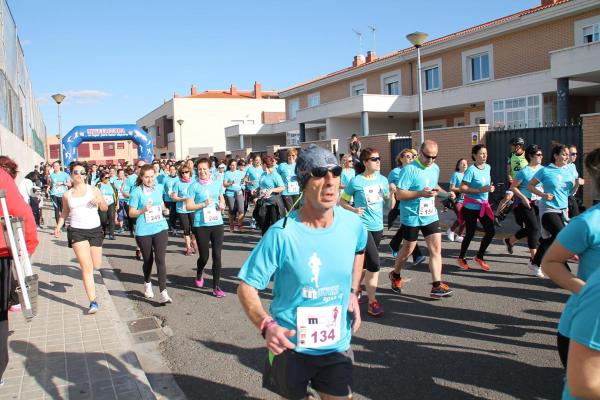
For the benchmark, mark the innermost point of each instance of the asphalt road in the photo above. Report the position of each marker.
(494, 339)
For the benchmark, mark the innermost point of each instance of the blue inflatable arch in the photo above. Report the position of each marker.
(105, 133)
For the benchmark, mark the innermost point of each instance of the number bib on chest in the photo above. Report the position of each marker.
(293, 187)
(318, 326)
(153, 215)
(211, 214)
(109, 199)
(373, 194)
(60, 187)
(427, 206)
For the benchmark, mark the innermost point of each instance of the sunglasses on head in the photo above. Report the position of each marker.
(374, 159)
(79, 172)
(320, 172)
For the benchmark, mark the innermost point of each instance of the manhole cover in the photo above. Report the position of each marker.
(146, 337)
(142, 325)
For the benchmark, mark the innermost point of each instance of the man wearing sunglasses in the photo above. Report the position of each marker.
(416, 190)
(316, 256)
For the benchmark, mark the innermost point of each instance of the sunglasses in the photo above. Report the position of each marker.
(539, 154)
(428, 156)
(320, 172)
(374, 159)
(105, 177)
(573, 154)
(79, 172)
(185, 172)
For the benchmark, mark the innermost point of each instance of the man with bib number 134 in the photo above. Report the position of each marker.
(316, 256)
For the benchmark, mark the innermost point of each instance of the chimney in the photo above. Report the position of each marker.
(194, 91)
(371, 56)
(257, 90)
(175, 94)
(233, 90)
(358, 60)
(549, 2)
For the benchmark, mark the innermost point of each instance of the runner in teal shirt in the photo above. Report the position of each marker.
(416, 177)
(477, 178)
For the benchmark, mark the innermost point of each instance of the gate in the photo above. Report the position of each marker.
(397, 145)
(498, 144)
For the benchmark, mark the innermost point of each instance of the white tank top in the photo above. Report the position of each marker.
(83, 214)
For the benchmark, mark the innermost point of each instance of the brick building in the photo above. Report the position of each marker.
(100, 153)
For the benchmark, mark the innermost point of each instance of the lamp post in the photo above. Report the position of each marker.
(180, 122)
(59, 98)
(417, 39)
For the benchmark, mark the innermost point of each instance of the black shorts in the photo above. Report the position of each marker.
(95, 236)
(411, 233)
(372, 250)
(289, 373)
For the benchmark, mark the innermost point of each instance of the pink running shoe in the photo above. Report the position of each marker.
(15, 308)
(218, 293)
(199, 283)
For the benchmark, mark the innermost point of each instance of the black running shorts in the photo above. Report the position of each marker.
(95, 236)
(411, 233)
(289, 374)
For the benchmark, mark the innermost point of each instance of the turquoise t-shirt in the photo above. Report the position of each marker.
(270, 181)
(456, 179)
(573, 169)
(312, 268)
(129, 185)
(95, 179)
(181, 190)
(347, 175)
(477, 178)
(415, 177)
(236, 178)
(394, 175)
(152, 221)
(107, 192)
(369, 193)
(584, 320)
(168, 183)
(524, 176)
(582, 237)
(559, 182)
(58, 182)
(254, 174)
(211, 215)
(290, 181)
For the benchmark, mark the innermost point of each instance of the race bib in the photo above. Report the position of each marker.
(153, 215)
(60, 187)
(211, 214)
(374, 194)
(109, 199)
(318, 326)
(427, 206)
(293, 187)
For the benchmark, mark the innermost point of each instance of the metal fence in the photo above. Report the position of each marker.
(397, 145)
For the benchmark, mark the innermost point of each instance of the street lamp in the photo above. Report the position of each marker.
(417, 39)
(59, 98)
(180, 122)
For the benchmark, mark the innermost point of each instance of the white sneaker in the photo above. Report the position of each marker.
(451, 235)
(148, 293)
(535, 270)
(459, 238)
(164, 297)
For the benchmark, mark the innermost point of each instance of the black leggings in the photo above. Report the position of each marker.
(528, 219)
(396, 242)
(172, 206)
(205, 236)
(471, 217)
(153, 248)
(553, 223)
(187, 220)
(270, 217)
(289, 200)
(34, 203)
(107, 219)
(57, 203)
(562, 344)
(372, 250)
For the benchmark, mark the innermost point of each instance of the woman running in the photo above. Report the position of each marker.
(57, 186)
(186, 217)
(84, 234)
(270, 188)
(369, 189)
(348, 171)
(290, 181)
(526, 208)
(206, 199)
(581, 236)
(146, 205)
(558, 183)
(405, 157)
(455, 232)
(169, 181)
(476, 185)
(109, 192)
(232, 181)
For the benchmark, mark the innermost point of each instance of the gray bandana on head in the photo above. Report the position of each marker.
(311, 157)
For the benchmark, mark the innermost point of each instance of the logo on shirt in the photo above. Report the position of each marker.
(315, 268)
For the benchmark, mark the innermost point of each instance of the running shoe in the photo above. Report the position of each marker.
(535, 270)
(199, 282)
(396, 282)
(462, 263)
(451, 235)
(497, 223)
(375, 309)
(111, 237)
(252, 224)
(15, 308)
(148, 293)
(459, 238)
(218, 293)
(164, 297)
(361, 299)
(441, 291)
(509, 246)
(120, 230)
(418, 261)
(1, 382)
(93, 307)
(138, 255)
(189, 252)
(484, 266)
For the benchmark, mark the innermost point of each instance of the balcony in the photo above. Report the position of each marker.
(578, 63)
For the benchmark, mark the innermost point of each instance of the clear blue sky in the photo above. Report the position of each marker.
(116, 60)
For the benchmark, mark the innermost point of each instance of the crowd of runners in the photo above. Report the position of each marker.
(322, 222)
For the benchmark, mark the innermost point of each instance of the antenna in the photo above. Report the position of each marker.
(373, 29)
(359, 34)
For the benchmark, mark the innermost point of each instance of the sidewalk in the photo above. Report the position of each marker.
(65, 353)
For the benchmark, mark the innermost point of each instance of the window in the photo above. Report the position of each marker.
(83, 150)
(479, 67)
(591, 33)
(431, 77)
(519, 112)
(96, 146)
(54, 151)
(292, 138)
(358, 88)
(120, 146)
(293, 107)
(390, 85)
(109, 149)
(314, 99)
